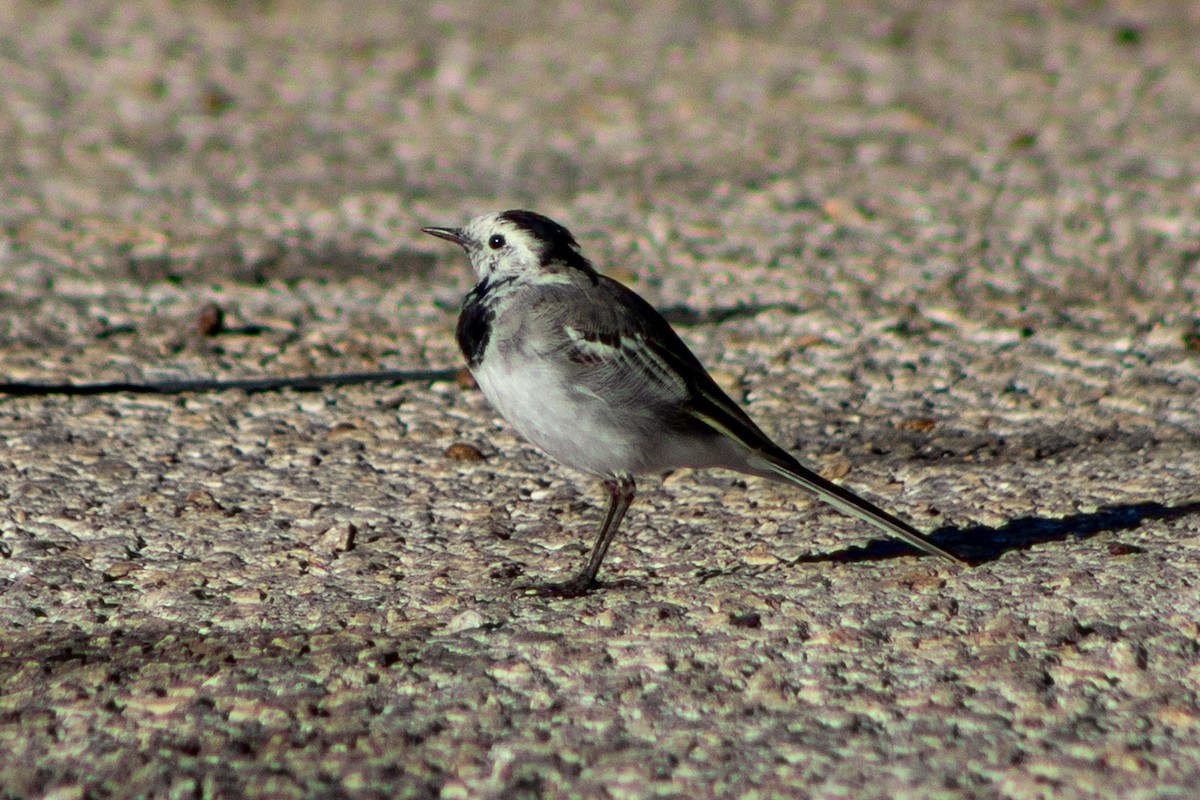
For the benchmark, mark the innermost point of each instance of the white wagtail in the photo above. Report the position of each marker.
(589, 372)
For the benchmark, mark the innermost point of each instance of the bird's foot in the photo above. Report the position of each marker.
(578, 586)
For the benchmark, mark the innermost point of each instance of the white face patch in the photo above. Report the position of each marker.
(501, 249)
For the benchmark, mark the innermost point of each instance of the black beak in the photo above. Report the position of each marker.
(449, 234)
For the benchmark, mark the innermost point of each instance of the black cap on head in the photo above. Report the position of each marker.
(543, 228)
(559, 244)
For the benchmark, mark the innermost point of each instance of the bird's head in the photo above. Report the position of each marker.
(517, 244)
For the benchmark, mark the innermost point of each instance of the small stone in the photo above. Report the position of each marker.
(835, 467)
(210, 320)
(203, 500)
(746, 619)
(843, 212)
(460, 451)
(338, 538)
(465, 379)
(465, 621)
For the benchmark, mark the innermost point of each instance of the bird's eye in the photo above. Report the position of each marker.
(496, 242)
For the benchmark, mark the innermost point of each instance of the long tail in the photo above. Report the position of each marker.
(760, 456)
(848, 502)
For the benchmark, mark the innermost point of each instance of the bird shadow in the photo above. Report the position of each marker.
(979, 544)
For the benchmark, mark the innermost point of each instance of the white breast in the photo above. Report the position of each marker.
(586, 432)
(580, 430)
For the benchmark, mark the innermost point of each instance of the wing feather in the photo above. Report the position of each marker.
(624, 350)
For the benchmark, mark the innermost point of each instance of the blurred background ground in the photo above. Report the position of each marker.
(947, 252)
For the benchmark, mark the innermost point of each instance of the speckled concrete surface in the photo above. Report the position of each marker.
(946, 252)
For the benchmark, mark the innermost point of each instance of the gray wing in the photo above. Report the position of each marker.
(622, 349)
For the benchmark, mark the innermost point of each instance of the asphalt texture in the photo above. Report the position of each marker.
(947, 253)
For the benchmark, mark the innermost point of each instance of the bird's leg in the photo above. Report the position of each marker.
(621, 489)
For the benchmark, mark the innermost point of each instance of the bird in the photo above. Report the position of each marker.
(593, 375)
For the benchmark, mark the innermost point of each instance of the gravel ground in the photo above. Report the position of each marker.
(946, 252)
